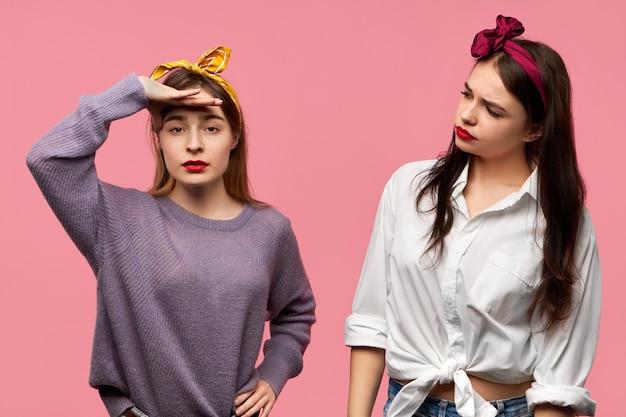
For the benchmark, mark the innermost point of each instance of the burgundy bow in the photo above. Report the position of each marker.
(490, 40)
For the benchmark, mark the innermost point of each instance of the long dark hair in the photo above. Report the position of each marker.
(561, 187)
(236, 179)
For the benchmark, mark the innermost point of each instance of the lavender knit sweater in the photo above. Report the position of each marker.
(182, 300)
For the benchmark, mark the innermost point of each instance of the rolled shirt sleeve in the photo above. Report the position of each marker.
(367, 326)
(566, 354)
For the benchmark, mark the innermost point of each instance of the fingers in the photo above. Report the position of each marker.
(261, 398)
(160, 96)
(157, 92)
(195, 100)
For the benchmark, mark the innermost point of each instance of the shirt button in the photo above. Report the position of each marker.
(449, 301)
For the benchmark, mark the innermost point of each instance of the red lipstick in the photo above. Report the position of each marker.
(195, 166)
(463, 134)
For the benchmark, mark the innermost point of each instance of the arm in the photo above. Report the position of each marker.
(366, 369)
(62, 161)
(548, 410)
(566, 354)
(291, 311)
(366, 327)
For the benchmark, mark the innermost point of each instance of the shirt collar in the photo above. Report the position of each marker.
(460, 183)
(530, 186)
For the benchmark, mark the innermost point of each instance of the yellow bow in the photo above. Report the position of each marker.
(210, 64)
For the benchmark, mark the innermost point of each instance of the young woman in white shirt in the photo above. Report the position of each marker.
(480, 293)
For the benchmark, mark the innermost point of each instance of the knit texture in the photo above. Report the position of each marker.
(181, 300)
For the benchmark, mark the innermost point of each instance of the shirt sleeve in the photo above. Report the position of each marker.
(367, 326)
(62, 161)
(291, 312)
(566, 354)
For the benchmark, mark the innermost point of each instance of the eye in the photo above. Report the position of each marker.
(175, 129)
(493, 113)
(465, 93)
(212, 129)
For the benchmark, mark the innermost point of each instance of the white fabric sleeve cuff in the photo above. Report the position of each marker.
(365, 331)
(563, 396)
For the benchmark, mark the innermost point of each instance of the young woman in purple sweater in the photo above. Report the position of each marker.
(189, 271)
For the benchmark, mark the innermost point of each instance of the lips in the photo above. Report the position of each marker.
(464, 134)
(195, 166)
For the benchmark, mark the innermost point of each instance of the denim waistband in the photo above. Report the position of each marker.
(506, 403)
(434, 406)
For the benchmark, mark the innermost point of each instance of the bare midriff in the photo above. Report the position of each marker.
(490, 391)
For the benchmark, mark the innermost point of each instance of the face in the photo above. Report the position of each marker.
(490, 122)
(196, 144)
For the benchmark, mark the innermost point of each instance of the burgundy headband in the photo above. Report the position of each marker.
(491, 40)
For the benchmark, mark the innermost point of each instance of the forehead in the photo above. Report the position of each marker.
(485, 79)
(486, 83)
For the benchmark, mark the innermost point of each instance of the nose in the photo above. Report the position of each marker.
(194, 142)
(467, 112)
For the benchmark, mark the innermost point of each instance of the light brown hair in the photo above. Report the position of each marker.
(236, 179)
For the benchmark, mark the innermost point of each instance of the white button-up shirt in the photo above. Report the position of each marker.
(468, 313)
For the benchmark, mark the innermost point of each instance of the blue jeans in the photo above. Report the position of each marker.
(437, 407)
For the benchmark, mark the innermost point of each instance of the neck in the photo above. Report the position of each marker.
(208, 202)
(489, 181)
(509, 172)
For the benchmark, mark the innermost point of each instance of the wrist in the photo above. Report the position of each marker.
(133, 412)
(549, 410)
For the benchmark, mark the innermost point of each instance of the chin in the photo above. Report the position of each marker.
(461, 144)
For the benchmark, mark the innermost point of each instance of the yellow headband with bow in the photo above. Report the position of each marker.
(210, 64)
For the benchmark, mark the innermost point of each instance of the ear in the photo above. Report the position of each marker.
(235, 142)
(158, 141)
(534, 133)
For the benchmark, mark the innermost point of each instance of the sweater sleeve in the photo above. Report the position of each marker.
(291, 312)
(567, 353)
(62, 161)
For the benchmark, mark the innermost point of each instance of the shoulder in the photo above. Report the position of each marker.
(586, 232)
(410, 174)
(586, 224)
(415, 167)
(123, 194)
(128, 202)
(272, 231)
(271, 219)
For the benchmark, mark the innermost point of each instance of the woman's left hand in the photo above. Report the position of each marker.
(261, 397)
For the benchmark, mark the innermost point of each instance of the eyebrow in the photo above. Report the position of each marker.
(491, 104)
(203, 117)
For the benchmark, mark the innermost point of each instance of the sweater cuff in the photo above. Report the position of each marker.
(276, 371)
(125, 98)
(115, 401)
(563, 396)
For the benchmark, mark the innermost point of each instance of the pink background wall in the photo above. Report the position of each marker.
(337, 94)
